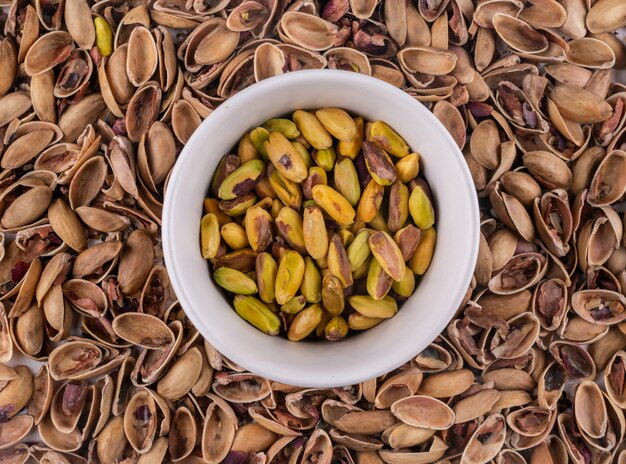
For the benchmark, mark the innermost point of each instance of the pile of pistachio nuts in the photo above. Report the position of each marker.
(98, 362)
(368, 256)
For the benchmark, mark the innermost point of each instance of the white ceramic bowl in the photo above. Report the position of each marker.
(368, 354)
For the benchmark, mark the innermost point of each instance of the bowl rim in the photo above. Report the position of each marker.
(175, 273)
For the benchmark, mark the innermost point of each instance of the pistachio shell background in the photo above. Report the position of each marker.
(505, 378)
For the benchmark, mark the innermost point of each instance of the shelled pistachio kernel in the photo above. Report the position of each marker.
(319, 222)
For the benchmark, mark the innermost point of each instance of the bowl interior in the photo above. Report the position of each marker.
(378, 350)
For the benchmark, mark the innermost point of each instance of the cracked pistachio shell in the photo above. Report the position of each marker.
(378, 164)
(143, 330)
(266, 269)
(290, 226)
(312, 129)
(408, 167)
(370, 201)
(234, 235)
(311, 286)
(388, 139)
(258, 225)
(257, 313)
(332, 295)
(315, 233)
(359, 250)
(305, 322)
(335, 205)
(284, 126)
(241, 180)
(67, 225)
(351, 149)
(338, 262)
(338, 122)
(289, 276)
(421, 208)
(367, 306)
(209, 236)
(285, 157)
(387, 254)
(234, 281)
(423, 411)
(378, 281)
(421, 258)
(347, 180)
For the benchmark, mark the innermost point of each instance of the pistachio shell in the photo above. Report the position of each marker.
(422, 411)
